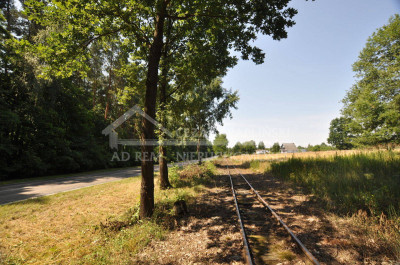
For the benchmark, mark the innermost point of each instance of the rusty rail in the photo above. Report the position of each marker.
(294, 237)
(249, 255)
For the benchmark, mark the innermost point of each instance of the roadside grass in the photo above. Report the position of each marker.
(362, 187)
(93, 225)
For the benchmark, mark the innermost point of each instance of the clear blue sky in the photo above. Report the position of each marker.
(295, 94)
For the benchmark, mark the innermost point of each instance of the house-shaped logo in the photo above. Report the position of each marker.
(113, 135)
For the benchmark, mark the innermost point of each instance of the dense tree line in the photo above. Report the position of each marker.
(248, 147)
(220, 144)
(318, 147)
(371, 112)
(47, 127)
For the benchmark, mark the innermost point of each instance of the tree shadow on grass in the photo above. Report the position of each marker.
(216, 213)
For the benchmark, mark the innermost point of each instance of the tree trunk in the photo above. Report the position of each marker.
(8, 19)
(108, 89)
(198, 151)
(164, 181)
(147, 187)
(94, 89)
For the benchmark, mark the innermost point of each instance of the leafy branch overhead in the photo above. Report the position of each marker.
(77, 24)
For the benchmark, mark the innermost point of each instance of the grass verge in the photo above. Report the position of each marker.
(93, 225)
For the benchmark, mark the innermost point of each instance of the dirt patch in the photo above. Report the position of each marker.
(210, 235)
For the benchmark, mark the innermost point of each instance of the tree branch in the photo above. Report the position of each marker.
(87, 42)
(193, 15)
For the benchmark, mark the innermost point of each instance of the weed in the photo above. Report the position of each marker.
(192, 175)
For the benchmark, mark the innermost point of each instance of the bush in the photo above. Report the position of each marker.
(191, 175)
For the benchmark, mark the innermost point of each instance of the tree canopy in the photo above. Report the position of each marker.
(372, 106)
(338, 134)
(276, 148)
(220, 144)
(248, 147)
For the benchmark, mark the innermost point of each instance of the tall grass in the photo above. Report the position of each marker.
(192, 175)
(365, 181)
(363, 185)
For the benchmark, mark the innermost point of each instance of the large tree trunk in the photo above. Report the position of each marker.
(147, 187)
(8, 19)
(164, 181)
(199, 156)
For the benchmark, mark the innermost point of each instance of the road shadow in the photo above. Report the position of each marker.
(21, 192)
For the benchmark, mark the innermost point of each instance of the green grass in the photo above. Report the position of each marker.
(192, 175)
(368, 181)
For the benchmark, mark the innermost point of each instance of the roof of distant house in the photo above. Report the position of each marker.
(289, 146)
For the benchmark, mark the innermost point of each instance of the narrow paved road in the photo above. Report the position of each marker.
(37, 188)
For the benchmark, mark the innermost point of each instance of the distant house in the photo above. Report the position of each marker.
(288, 148)
(261, 151)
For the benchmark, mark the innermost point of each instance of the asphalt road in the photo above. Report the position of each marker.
(38, 188)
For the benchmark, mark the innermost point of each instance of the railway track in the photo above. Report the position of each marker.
(247, 219)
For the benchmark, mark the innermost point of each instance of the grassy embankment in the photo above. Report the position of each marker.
(361, 185)
(94, 225)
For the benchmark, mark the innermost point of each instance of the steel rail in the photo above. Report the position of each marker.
(303, 248)
(249, 255)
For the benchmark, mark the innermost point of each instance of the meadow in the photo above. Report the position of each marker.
(363, 181)
(362, 185)
(285, 156)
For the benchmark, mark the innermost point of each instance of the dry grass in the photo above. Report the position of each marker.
(59, 228)
(77, 227)
(358, 188)
(284, 156)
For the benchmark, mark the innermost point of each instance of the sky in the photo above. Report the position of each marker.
(297, 91)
